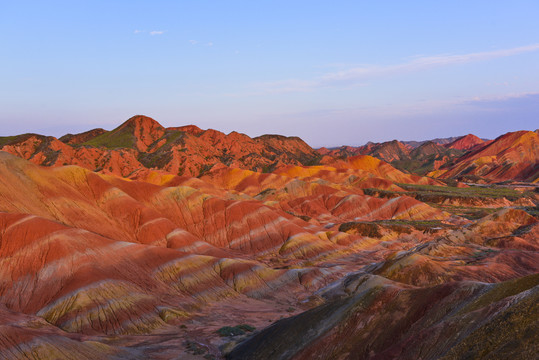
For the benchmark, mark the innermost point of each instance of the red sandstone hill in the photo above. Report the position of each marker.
(387, 151)
(425, 157)
(142, 142)
(465, 142)
(512, 156)
(73, 139)
(144, 241)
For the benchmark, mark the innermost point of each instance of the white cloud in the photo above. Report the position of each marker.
(210, 44)
(498, 98)
(138, 31)
(157, 32)
(193, 42)
(421, 63)
(358, 75)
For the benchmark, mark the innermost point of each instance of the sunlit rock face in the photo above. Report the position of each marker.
(164, 243)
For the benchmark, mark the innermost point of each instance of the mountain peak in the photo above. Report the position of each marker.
(190, 129)
(144, 129)
(465, 142)
(141, 122)
(138, 132)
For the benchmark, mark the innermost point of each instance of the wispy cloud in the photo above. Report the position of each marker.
(193, 42)
(209, 44)
(421, 63)
(495, 99)
(359, 74)
(138, 31)
(157, 32)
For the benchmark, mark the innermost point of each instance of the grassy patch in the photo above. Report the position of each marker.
(493, 192)
(438, 194)
(173, 136)
(113, 140)
(10, 140)
(195, 348)
(532, 210)
(361, 228)
(502, 290)
(204, 169)
(266, 192)
(235, 330)
(389, 194)
(468, 212)
(373, 229)
(155, 160)
(302, 217)
(7, 140)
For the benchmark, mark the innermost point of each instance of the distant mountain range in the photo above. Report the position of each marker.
(454, 157)
(439, 141)
(141, 143)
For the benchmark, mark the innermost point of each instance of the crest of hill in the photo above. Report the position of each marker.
(390, 151)
(138, 132)
(426, 157)
(525, 143)
(439, 141)
(427, 149)
(10, 140)
(512, 156)
(141, 142)
(466, 142)
(74, 139)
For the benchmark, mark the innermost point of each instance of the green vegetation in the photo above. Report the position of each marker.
(6, 140)
(172, 137)
(532, 210)
(372, 229)
(195, 348)
(414, 223)
(310, 161)
(503, 290)
(302, 217)
(155, 160)
(491, 191)
(468, 212)
(41, 144)
(9, 140)
(363, 229)
(268, 168)
(235, 330)
(113, 139)
(438, 194)
(204, 169)
(266, 192)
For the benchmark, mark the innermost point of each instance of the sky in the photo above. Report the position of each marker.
(333, 73)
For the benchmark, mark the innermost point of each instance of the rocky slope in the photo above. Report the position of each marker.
(512, 156)
(260, 248)
(142, 142)
(420, 159)
(467, 142)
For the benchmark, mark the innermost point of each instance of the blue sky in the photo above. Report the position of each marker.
(344, 72)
